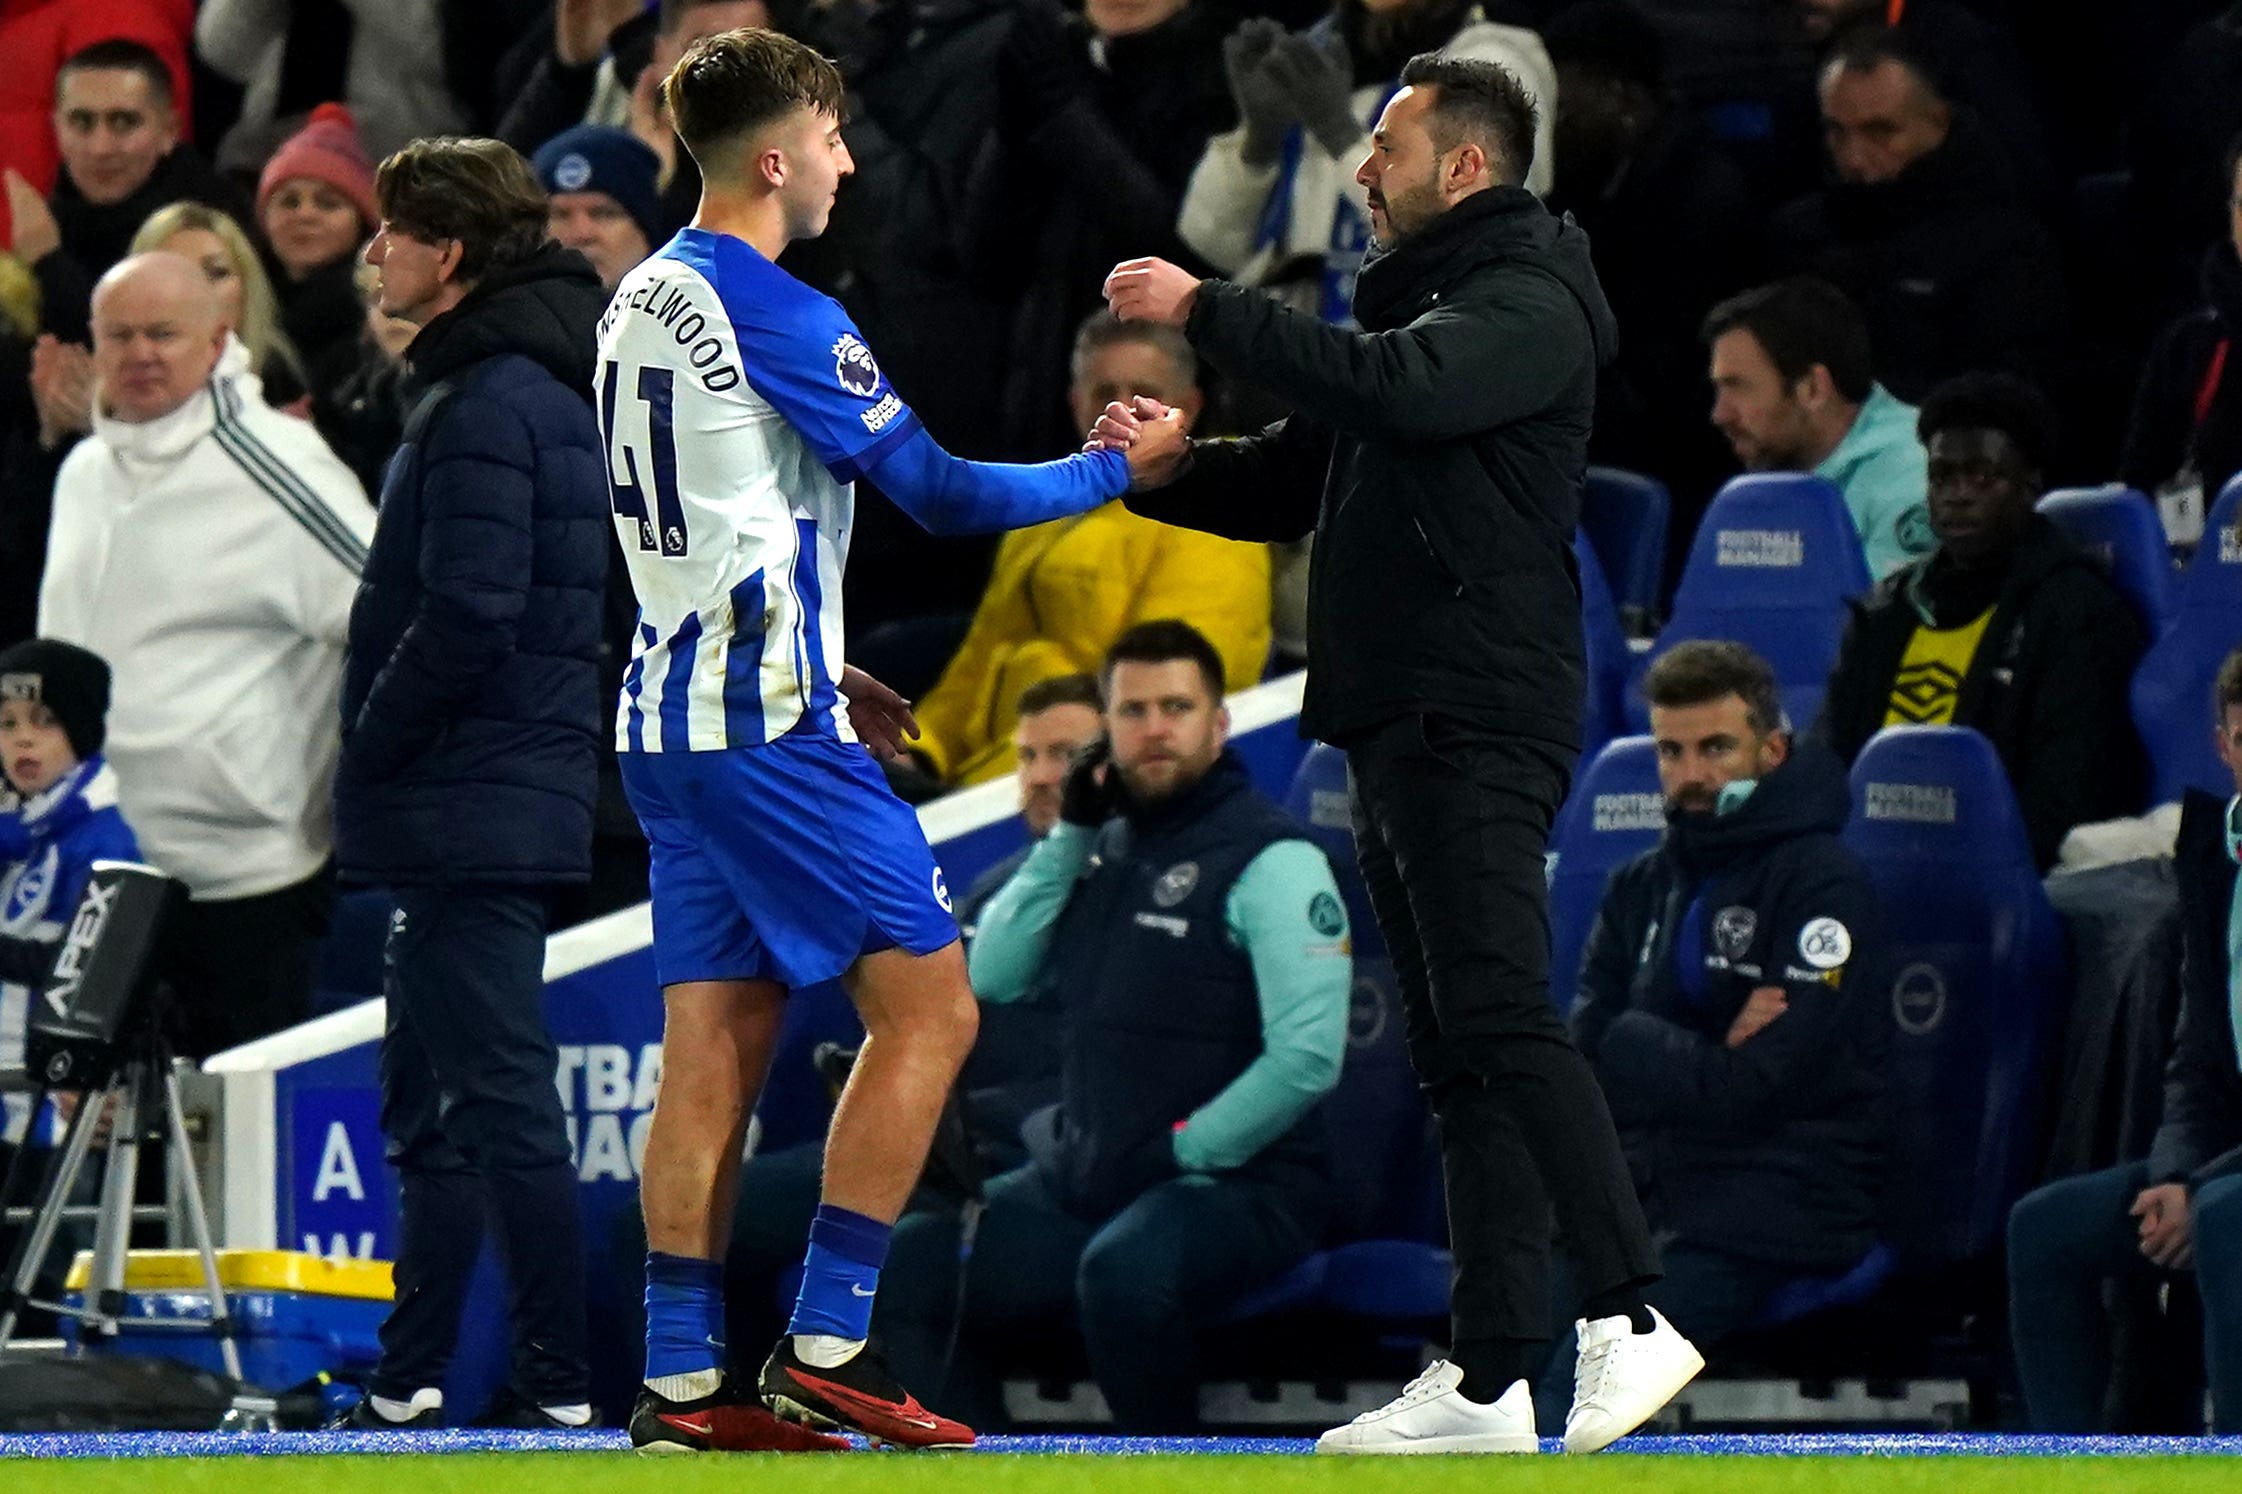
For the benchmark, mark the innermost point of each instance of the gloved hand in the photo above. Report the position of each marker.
(1044, 64)
(1087, 798)
(1318, 77)
(1265, 107)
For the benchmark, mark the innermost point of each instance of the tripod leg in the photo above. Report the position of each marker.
(112, 1230)
(198, 1221)
(38, 1241)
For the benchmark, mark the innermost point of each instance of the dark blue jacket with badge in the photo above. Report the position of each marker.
(1773, 1149)
(470, 699)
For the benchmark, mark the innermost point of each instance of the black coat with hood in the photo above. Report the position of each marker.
(1953, 273)
(470, 700)
(1437, 455)
(1772, 1149)
(2049, 686)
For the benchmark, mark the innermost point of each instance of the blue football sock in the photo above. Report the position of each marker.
(841, 1274)
(684, 1315)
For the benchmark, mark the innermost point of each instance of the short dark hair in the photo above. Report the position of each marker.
(1865, 48)
(119, 55)
(480, 192)
(1480, 102)
(1704, 670)
(1059, 690)
(1159, 642)
(737, 81)
(2227, 689)
(1801, 322)
(1994, 402)
(1102, 329)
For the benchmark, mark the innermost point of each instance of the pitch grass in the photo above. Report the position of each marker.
(898, 1473)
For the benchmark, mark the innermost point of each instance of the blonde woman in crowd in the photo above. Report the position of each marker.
(214, 241)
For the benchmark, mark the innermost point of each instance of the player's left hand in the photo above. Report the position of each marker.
(882, 718)
(1151, 290)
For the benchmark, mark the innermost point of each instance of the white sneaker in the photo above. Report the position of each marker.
(1624, 1378)
(1431, 1417)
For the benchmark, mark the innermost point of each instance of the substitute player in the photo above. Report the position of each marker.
(739, 407)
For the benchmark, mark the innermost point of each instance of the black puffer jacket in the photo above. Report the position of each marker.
(470, 698)
(1438, 456)
(1772, 1149)
(1953, 273)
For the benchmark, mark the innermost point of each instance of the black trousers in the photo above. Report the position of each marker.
(242, 968)
(476, 1132)
(1451, 826)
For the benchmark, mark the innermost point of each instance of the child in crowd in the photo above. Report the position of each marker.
(58, 816)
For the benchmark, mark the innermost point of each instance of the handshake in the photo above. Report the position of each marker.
(1152, 436)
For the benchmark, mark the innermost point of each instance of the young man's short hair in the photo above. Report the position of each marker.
(1161, 642)
(2226, 691)
(1801, 322)
(480, 192)
(1059, 690)
(120, 55)
(1102, 329)
(729, 85)
(1995, 402)
(1702, 671)
(1482, 103)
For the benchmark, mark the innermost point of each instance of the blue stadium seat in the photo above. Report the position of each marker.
(1615, 813)
(1625, 516)
(1978, 985)
(1606, 649)
(2172, 687)
(1772, 565)
(2118, 525)
(1848, 1288)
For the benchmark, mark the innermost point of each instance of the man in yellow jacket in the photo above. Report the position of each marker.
(1061, 593)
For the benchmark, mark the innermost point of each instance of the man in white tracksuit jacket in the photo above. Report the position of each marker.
(208, 546)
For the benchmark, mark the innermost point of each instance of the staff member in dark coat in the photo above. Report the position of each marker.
(1449, 440)
(470, 719)
(1731, 999)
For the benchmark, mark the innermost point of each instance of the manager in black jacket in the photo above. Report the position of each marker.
(470, 718)
(2181, 1210)
(1731, 1001)
(1448, 442)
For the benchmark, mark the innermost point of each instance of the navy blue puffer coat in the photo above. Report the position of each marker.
(470, 700)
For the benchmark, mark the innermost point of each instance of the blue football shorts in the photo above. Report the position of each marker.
(786, 861)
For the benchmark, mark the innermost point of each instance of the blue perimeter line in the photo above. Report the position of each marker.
(65, 1445)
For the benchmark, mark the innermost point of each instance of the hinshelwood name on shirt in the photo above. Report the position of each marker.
(672, 306)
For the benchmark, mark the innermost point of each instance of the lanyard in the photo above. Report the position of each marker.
(2209, 388)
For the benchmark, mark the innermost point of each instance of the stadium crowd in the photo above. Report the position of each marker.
(1935, 258)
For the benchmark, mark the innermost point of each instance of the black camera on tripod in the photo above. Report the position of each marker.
(100, 990)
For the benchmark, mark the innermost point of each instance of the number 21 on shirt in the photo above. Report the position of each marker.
(643, 455)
